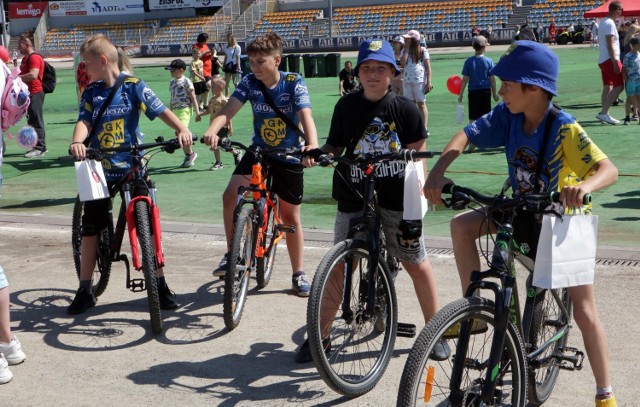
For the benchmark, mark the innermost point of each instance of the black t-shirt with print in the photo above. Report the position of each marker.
(398, 125)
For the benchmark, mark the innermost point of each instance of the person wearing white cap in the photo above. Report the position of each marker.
(416, 73)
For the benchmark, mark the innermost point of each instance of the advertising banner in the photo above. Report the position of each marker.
(67, 8)
(111, 7)
(95, 8)
(33, 9)
(170, 4)
(208, 3)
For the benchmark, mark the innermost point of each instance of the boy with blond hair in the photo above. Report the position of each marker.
(132, 98)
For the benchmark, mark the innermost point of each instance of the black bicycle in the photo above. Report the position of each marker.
(352, 315)
(500, 353)
(141, 214)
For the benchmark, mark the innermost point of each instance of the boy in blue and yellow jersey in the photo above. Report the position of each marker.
(290, 95)
(117, 126)
(572, 164)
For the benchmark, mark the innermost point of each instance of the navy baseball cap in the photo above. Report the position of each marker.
(531, 63)
(376, 50)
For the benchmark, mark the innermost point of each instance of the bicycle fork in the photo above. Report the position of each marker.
(156, 230)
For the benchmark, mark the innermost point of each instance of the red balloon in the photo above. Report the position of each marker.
(454, 84)
(4, 54)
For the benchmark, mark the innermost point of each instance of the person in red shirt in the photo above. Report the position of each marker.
(205, 55)
(31, 71)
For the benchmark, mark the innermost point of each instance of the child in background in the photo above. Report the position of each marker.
(396, 82)
(217, 102)
(200, 84)
(571, 164)
(482, 85)
(183, 103)
(132, 98)
(416, 65)
(631, 75)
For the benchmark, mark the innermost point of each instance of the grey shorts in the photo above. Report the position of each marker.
(3, 279)
(411, 251)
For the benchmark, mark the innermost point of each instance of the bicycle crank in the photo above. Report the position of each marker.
(286, 228)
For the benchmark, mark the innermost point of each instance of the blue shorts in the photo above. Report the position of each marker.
(3, 279)
(632, 88)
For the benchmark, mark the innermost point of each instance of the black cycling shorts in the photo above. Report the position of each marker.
(526, 231)
(95, 216)
(287, 180)
(479, 103)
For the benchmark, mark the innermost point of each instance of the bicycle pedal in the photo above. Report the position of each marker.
(406, 330)
(286, 228)
(573, 361)
(136, 285)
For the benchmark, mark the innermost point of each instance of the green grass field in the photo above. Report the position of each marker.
(47, 185)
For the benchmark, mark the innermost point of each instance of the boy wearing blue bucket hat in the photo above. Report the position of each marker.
(572, 164)
(376, 121)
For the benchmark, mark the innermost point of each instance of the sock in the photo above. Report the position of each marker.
(603, 393)
(86, 284)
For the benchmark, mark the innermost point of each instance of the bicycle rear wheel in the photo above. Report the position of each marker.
(149, 265)
(428, 382)
(360, 344)
(548, 319)
(102, 272)
(264, 265)
(241, 256)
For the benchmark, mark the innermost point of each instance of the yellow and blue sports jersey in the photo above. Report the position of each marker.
(119, 124)
(290, 95)
(569, 155)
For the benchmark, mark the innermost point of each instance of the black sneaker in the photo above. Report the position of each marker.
(440, 351)
(300, 284)
(304, 353)
(167, 298)
(237, 157)
(83, 301)
(221, 271)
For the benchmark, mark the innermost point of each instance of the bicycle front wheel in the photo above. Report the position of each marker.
(241, 256)
(357, 344)
(149, 265)
(429, 382)
(102, 272)
(548, 319)
(264, 265)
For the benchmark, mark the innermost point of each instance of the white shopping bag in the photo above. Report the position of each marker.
(91, 182)
(415, 203)
(459, 113)
(566, 255)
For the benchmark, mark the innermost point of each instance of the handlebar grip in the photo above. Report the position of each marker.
(448, 189)
(555, 197)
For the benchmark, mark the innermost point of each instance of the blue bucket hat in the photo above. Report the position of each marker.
(531, 63)
(376, 50)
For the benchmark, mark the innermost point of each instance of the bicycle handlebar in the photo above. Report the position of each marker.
(404, 154)
(167, 145)
(291, 155)
(537, 202)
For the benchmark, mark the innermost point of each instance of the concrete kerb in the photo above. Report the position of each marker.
(313, 237)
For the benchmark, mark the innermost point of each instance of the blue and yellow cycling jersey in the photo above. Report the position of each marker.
(569, 155)
(119, 124)
(290, 95)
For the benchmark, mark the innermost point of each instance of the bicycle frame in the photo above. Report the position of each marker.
(507, 305)
(259, 194)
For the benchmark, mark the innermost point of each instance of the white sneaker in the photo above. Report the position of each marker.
(607, 119)
(5, 373)
(12, 352)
